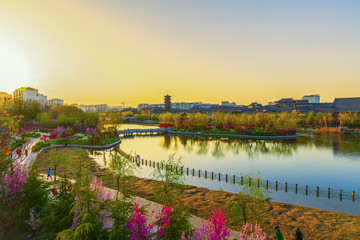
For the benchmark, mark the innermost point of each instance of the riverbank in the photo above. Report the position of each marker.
(314, 223)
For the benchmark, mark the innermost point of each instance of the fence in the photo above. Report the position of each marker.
(277, 186)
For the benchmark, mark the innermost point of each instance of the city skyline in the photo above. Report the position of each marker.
(136, 52)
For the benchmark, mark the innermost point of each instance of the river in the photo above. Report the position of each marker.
(328, 161)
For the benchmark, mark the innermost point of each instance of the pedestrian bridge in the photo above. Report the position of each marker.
(142, 131)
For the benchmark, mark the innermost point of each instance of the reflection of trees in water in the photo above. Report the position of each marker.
(340, 144)
(347, 145)
(218, 149)
(203, 148)
(167, 142)
(252, 148)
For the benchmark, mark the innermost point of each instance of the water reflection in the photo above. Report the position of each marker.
(341, 145)
(217, 147)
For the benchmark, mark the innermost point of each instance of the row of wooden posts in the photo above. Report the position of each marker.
(153, 164)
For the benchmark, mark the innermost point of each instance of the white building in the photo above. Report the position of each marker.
(94, 108)
(53, 103)
(30, 94)
(314, 98)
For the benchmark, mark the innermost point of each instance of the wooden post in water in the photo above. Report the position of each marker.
(242, 180)
(205, 174)
(187, 171)
(340, 194)
(162, 165)
(317, 191)
(328, 193)
(307, 189)
(267, 184)
(142, 161)
(219, 177)
(249, 181)
(226, 178)
(296, 188)
(285, 186)
(199, 173)
(234, 179)
(146, 162)
(212, 175)
(353, 196)
(193, 172)
(258, 183)
(276, 185)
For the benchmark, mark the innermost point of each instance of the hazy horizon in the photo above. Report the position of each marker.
(206, 51)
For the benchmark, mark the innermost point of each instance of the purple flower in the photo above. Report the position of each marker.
(59, 131)
(34, 221)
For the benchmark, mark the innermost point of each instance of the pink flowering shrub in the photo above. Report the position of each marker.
(13, 185)
(59, 131)
(163, 220)
(102, 195)
(250, 232)
(141, 230)
(138, 226)
(90, 131)
(213, 229)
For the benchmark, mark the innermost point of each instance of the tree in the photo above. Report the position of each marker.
(123, 170)
(57, 157)
(168, 190)
(249, 204)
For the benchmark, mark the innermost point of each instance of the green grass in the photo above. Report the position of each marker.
(31, 134)
(40, 145)
(85, 141)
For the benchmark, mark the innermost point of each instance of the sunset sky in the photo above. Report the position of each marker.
(137, 51)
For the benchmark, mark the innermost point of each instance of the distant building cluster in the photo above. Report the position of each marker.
(94, 108)
(306, 104)
(31, 94)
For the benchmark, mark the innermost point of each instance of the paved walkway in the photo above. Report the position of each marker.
(27, 161)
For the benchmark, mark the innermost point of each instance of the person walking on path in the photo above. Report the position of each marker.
(26, 152)
(298, 234)
(49, 174)
(278, 233)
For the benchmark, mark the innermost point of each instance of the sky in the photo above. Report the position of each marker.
(114, 51)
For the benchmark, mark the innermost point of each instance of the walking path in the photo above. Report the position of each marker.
(154, 208)
(27, 161)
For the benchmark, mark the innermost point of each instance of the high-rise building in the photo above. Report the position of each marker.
(167, 102)
(314, 98)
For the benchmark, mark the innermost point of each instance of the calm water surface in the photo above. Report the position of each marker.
(327, 161)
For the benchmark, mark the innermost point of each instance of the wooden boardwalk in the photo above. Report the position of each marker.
(128, 132)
